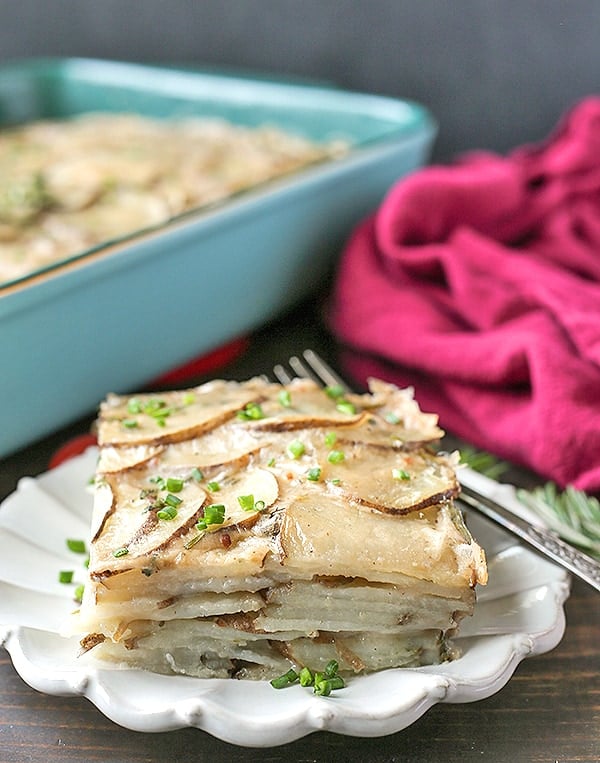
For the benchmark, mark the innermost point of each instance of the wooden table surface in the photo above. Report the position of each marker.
(548, 711)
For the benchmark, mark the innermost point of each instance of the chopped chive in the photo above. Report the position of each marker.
(330, 439)
(251, 412)
(173, 500)
(214, 487)
(159, 482)
(336, 456)
(189, 398)
(391, 417)
(331, 668)
(174, 485)
(214, 514)
(259, 506)
(285, 399)
(285, 680)
(336, 481)
(345, 406)
(123, 551)
(65, 576)
(271, 462)
(246, 502)
(153, 405)
(78, 546)
(314, 474)
(334, 391)
(400, 474)
(78, 593)
(326, 686)
(306, 677)
(167, 513)
(196, 475)
(130, 423)
(134, 405)
(295, 449)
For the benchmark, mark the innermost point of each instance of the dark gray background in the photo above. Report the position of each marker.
(495, 73)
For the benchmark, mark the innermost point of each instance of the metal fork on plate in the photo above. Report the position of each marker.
(311, 366)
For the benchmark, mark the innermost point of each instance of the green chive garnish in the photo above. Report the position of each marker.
(271, 462)
(251, 412)
(121, 552)
(78, 546)
(189, 398)
(392, 418)
(78, 593)
(134, 405)
(167, 513)
(65, 576)
(295, 449)
(173, 500)
(285, 680)
(326, 686)
(174, 485)
(400, 474)
(306, 677)
(334, 391)
(330, 439)
(196, 475)
(314, 474)
(246, 502)
(129, 423)
(214, 487)
(336, 456)
(285, 399)
(214, 514)
(344, 406)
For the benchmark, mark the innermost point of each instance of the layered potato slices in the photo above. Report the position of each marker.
(240, 529)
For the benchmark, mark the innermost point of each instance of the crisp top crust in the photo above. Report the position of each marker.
(307, 482)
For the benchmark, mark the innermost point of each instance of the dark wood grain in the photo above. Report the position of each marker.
(549, 710)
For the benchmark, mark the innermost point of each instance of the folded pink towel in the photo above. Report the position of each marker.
(479, 284)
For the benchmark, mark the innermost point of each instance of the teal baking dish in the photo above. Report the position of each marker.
(115, 317)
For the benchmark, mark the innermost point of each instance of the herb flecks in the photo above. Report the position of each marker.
(323, 683)
(295, 449)
(76, 545)
(251, 412)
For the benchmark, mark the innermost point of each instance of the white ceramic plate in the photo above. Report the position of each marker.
(520, 613)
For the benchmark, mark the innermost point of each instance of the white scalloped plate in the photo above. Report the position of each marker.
(519, 614)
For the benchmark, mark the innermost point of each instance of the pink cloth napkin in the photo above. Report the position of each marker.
(478, 283)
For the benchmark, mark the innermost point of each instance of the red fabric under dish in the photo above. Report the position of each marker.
(478, 283)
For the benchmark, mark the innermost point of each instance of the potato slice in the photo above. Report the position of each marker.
(172, 417)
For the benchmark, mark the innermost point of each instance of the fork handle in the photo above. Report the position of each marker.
(543, 540)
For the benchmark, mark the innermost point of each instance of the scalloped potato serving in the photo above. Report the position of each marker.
(240, 529)
(69, 185)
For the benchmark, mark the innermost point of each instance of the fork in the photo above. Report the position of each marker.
(497, 509)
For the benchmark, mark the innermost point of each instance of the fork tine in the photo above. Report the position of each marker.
(323, 371)
(310, 366)
(300, 369)
(281, 374)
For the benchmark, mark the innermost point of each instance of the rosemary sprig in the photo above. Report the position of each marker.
(483, 462)
(571, 513)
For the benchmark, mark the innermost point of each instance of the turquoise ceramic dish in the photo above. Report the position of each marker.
(115, 317)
